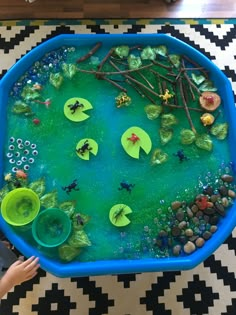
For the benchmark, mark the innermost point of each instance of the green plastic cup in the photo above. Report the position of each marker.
(20, 206)
(51, 228)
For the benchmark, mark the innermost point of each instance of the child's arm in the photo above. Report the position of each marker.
(17, 273)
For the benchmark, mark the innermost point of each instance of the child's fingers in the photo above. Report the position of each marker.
(31, 262)
(16, 263)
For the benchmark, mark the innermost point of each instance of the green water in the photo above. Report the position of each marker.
(156, 186)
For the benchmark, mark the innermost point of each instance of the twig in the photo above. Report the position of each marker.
(162, 76)
(134, 80)
(135, 87)
(90, 53)
(115, 84)
(97, 73)
(110, 52)
(186, 107)
(161, 65)
(146, 80)
(179, 106)
(196, 65)
(191, 83)
(188, 80)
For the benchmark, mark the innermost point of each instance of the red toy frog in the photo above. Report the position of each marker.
(134, 138)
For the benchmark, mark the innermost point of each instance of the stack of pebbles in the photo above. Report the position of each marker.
(194, 223)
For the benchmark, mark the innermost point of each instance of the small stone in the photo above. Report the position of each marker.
(159, 243)
(199, 214)
(199, 242)
(189, 247)
(182, 225)
(214, 220)
(193, 238)
(189, 212)
(213, 228)
(163, 233)
(182, 239)
(176, 205)
(194, 208)
(231, 193)
(220, 209)
(206, 218)
(195, 220)
(209, 211)
(223, 191)
(189, 232)
(225, 202)
(207, 235)
(208, 190)
(214, 198)
(170, 241)
(227, 178)
(175, 231)
(176, 250)
(179, 215)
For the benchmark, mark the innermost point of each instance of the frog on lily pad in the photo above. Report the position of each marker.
(118, 215)
(135, 138)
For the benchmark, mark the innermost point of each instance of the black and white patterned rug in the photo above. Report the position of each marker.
(208, 289)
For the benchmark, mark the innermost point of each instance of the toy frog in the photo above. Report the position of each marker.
(75, 106)
(84, 148)
(127, 186)
(181, 156)
(71, 187)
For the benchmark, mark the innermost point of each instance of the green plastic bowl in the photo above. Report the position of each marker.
(51, 228)
(20, 206)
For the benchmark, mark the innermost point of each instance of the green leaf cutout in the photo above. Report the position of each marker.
(68, 207)
(133, 149)
(29, 93)
(148, 54)
(38, 186)
(93, 148)
(175, 60)
(79, 114)
(49, 200)
(220, 131)
(168, 120)
(207, 85)
(166, 134)
(134, 62)
(3, 192)
(161, 50)
(159, 157)
(187, 136)
(204, 142)
(68, 253)
(79, 220)
(198, 79)
(69, 70)
(79, 239)
(122, 51)
(117, 215)
(56, 80)
(153, 111)
(21, 108)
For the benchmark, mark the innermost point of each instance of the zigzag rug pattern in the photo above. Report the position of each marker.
(208, 289)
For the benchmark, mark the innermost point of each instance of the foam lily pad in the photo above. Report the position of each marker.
(91, 145)
(117, 215)
(79, 114)
(133, 148)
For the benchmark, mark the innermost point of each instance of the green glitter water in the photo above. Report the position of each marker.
(155, 186)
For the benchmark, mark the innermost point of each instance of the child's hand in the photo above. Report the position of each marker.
(22, 271)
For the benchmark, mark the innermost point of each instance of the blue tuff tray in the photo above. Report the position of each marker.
(77, 268)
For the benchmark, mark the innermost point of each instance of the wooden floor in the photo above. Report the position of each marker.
(66, 9)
